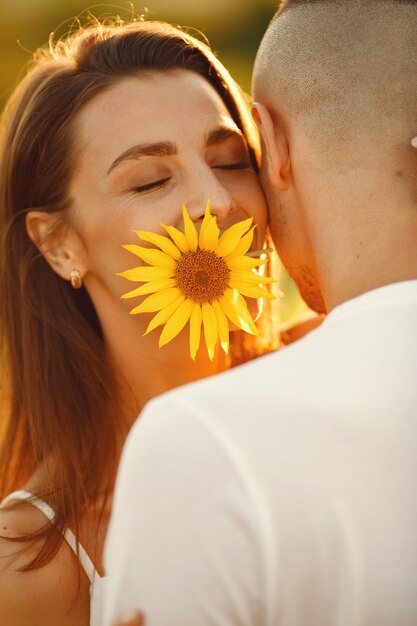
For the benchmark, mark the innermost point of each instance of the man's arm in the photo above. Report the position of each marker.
(183, 540)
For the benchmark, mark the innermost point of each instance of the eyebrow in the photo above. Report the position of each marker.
(167, 148)
(221, 134)
(162, 148)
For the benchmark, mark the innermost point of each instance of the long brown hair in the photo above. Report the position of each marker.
(59, 397)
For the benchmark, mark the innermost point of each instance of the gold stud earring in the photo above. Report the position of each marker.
(76, 280)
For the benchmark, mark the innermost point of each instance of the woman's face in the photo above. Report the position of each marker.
(145, 147)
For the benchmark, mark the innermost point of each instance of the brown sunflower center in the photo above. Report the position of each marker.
(202, 276)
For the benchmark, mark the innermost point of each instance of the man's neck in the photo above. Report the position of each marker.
(378, 256)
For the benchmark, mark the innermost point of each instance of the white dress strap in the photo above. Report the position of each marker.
(69, 536)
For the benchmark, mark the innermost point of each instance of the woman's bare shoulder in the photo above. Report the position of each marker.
(41, 597)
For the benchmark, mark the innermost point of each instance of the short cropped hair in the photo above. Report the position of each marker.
(345, 69)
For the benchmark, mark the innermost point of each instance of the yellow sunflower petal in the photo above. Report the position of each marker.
(242, 309)
(252, 291)
(210, 328)
(157, 301)
(177, 237)
(145, 274)
(231, 237)
(222, 325)
(211, 236)
(243, 245)
(195, 329)
(176, 322)
(209, 231)
(206, 220)
(189, 230)
(151, 256)
(250, 277)
(164, 314)
(237, 312)
(152, 287)
(244, 263)
(161, 242)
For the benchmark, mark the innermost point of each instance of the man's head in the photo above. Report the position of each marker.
(336, 84)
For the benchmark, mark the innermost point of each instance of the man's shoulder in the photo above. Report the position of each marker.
(333, 371)
(293, 364)
(244, 395)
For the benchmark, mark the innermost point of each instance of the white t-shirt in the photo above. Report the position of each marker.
(283, 492)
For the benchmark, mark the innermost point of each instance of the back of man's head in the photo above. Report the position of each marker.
(337, 91)
(345, 69)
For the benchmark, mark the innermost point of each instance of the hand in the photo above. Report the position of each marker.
(132, 619)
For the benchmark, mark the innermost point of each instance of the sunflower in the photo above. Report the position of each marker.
(200, 278)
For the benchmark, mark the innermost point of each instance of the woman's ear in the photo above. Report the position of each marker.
(58, 243)
(274, 145)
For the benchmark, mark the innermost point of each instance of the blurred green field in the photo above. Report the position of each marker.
(233, 27)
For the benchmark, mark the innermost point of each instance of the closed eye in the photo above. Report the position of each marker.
(233, 166)
(150, 186)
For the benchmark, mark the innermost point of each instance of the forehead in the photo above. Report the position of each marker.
(177, 106)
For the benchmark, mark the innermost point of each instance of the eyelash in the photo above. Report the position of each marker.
(162, 181)
(233, 166)
(150, 186)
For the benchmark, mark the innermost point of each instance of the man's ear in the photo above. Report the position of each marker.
(275, 146)
(58, 243)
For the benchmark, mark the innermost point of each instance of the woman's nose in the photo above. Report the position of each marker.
(221, 200)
